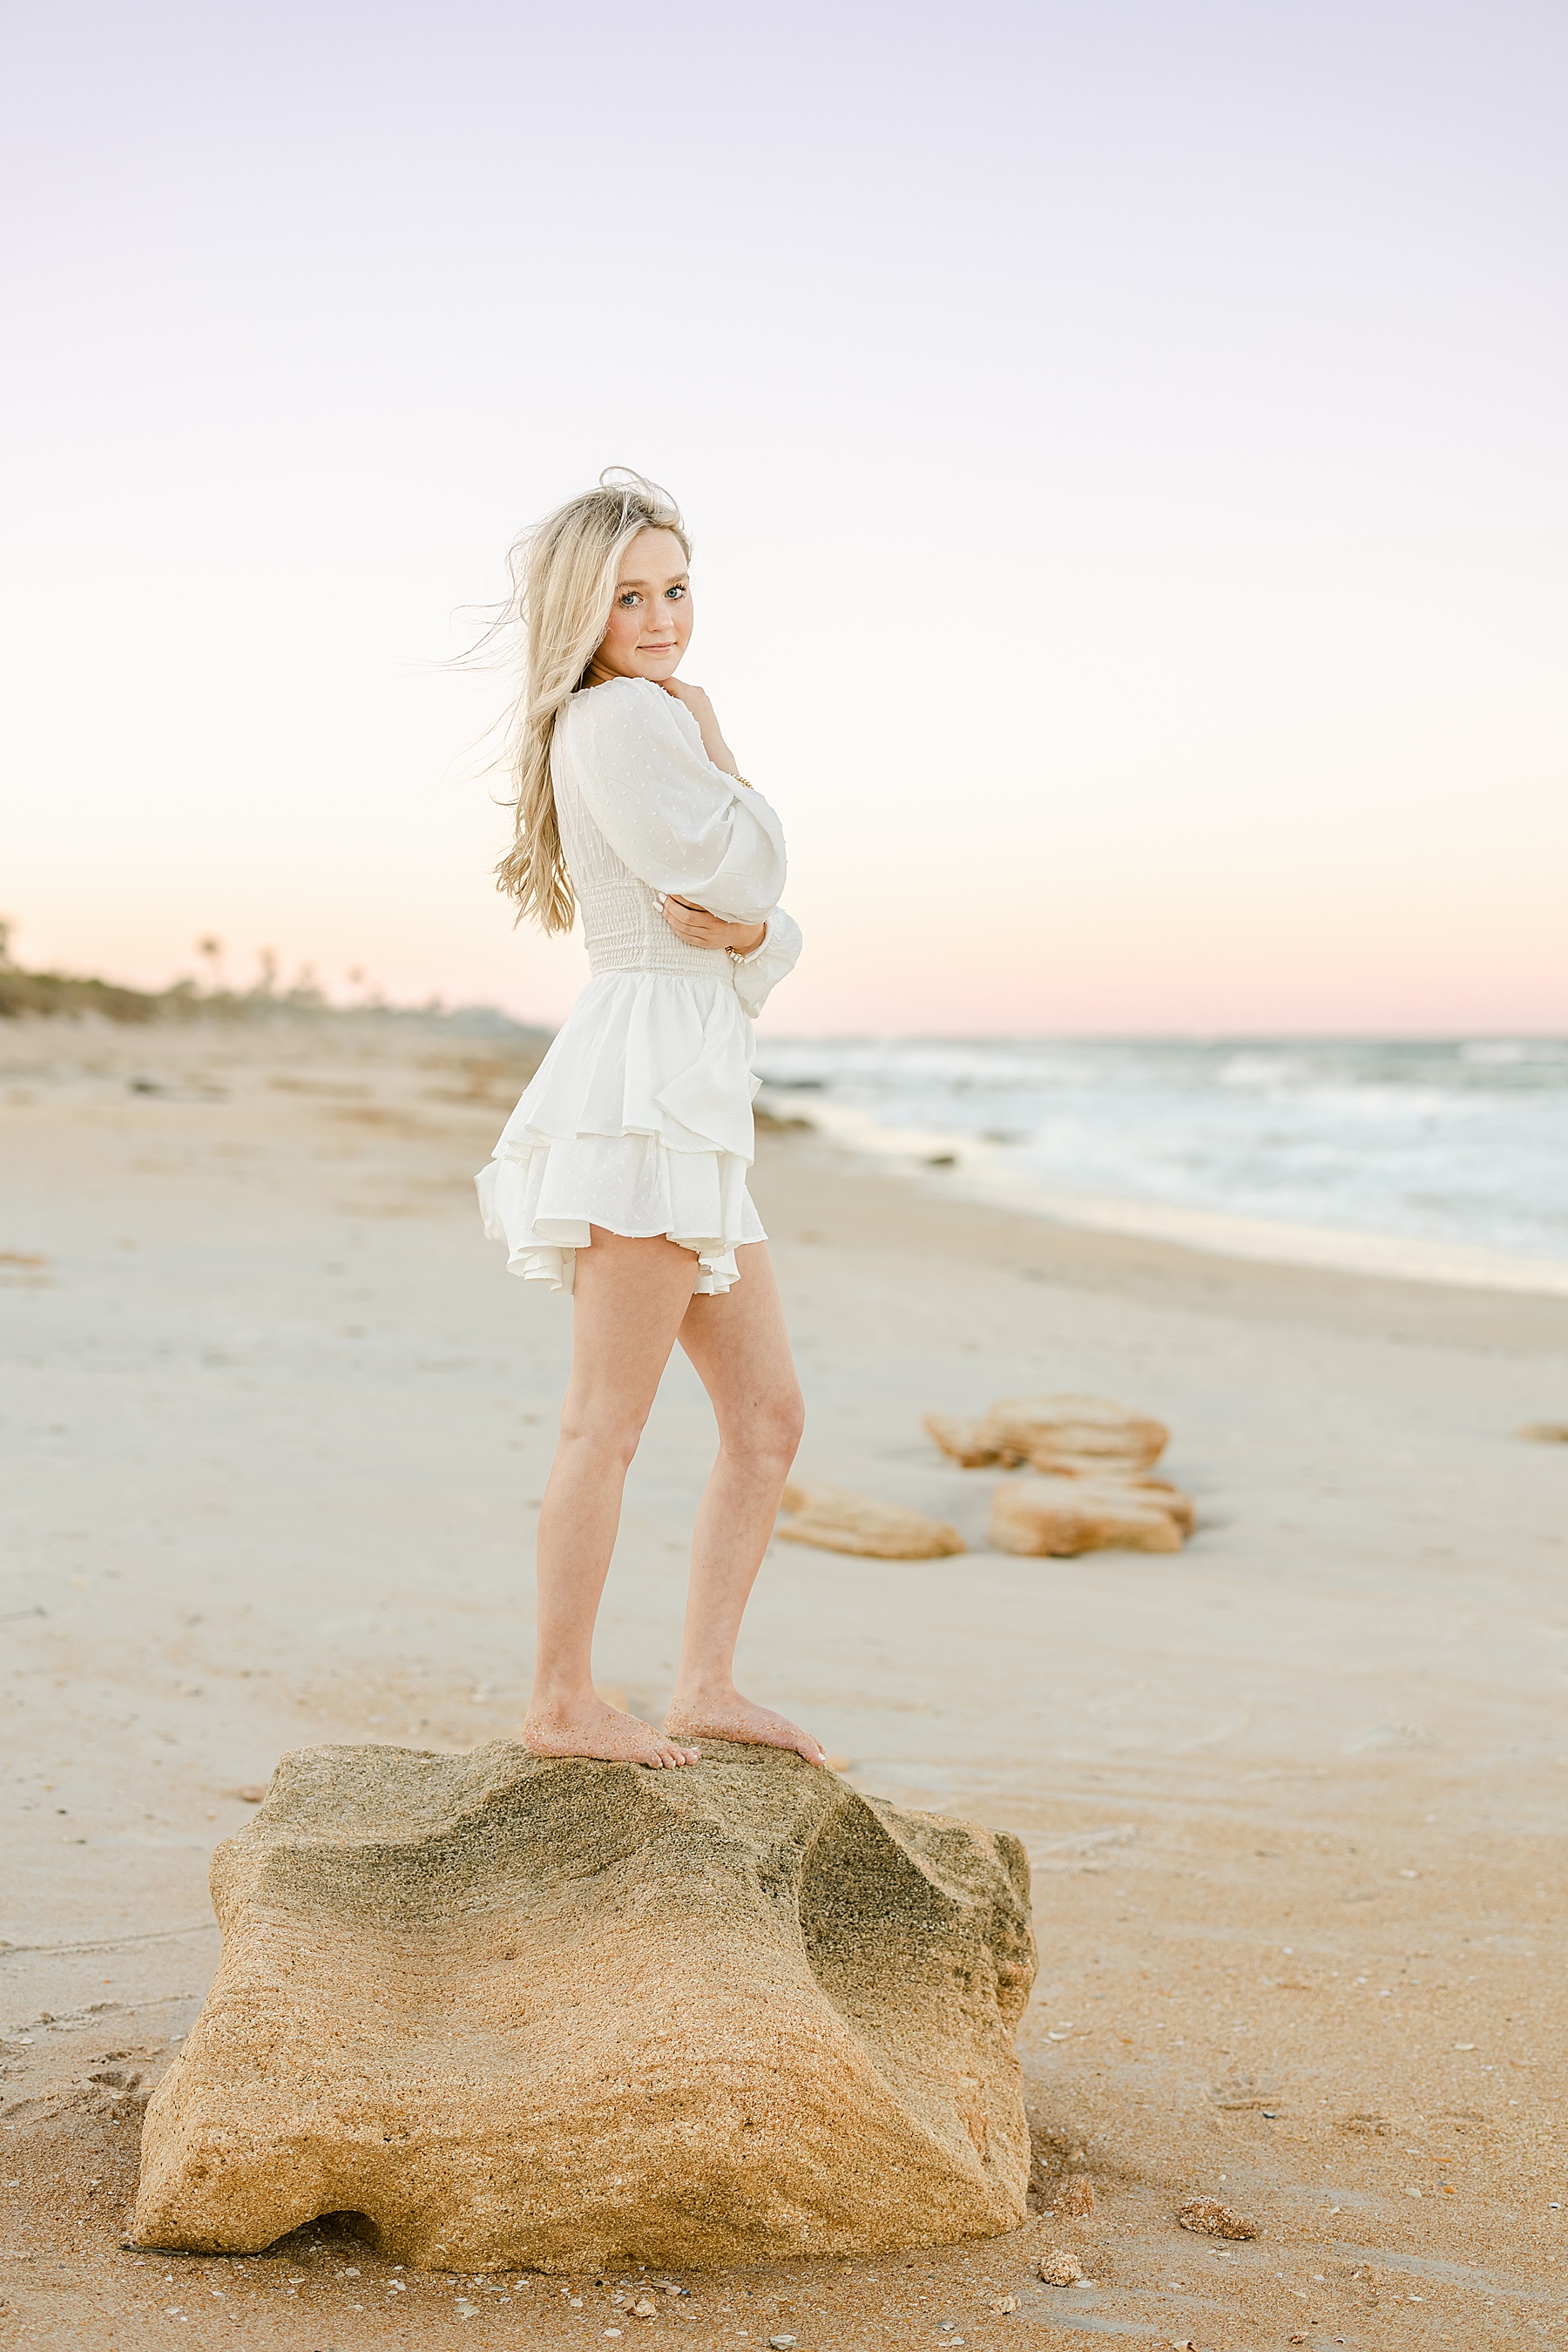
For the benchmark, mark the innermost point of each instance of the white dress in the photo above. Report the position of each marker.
(639, 1116)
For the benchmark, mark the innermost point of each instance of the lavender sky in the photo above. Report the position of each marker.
(1124, 443)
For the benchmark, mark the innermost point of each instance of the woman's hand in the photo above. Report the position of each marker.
(699, 929)
(703, 710)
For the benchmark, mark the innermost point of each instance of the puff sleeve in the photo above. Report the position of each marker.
(680, 824)
(757, 975)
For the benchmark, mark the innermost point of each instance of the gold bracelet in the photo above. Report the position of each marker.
(742, 780)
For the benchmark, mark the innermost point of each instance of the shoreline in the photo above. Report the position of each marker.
(981, 1173)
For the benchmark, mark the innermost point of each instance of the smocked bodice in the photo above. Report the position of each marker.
(623, 928)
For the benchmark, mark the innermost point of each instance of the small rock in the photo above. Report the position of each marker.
(1077, 2198)
(838, 1520)
(1004, 2303)
(1060, 2269)
(1060, 1517)
(251, 1794)
(1210, 2219)
(1545, 1433)
(966, 1442)
(1076, 1433)
(644, 2307)
(780, 2343)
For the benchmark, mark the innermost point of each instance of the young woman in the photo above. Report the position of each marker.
(621, 1175)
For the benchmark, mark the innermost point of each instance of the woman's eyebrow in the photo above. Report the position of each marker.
(648, 583)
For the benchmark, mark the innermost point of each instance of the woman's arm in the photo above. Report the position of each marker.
(686, 828)
(699, 929)
(758, 974)
(697, 701)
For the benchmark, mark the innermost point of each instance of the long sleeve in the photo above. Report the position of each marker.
(757, 975)
(675, 819)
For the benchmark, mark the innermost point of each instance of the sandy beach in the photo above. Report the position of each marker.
(276, 1427)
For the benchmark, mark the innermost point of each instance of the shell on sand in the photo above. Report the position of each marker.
(835, 1519)
(513, 2010)
(1063, 1516)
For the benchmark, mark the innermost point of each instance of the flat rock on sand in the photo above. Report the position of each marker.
(563, 2013)
(1064, 1517)
(836, 1519)
(1068, 1433)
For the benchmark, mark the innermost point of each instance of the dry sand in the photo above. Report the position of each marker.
(277, 1425)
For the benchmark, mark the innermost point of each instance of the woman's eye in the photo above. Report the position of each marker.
(676, 593)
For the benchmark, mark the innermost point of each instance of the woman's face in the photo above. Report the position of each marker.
(651, 620)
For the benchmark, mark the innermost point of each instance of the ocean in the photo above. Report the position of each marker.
(1443, 1159)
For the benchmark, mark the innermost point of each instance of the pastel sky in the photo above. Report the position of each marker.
(1124, 443)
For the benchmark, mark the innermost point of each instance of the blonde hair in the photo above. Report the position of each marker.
(563, 575)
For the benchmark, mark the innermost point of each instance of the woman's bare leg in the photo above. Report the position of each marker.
(628, 1299)
(741, 1350)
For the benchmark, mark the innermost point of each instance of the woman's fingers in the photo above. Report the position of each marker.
(692, 923)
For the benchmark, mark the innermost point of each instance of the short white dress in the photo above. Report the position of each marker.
(639, 1116)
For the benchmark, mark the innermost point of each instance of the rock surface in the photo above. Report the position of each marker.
(1062, 2268)
(1076, 1434)
(1210, 2219)
(560, 2014)
(970, 1443)
(835, 1519)
(1060, 1517)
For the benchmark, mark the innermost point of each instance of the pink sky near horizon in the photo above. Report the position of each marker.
(1125, 450)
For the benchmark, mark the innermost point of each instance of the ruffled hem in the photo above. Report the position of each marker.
(645, 1054)
(541, 1199)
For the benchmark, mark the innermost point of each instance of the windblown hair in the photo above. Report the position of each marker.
(563, 574)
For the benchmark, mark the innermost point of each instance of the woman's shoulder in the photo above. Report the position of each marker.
(620, 703)
(628, 714)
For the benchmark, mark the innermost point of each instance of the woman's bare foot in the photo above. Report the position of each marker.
(588, 1726)
(720, 1713)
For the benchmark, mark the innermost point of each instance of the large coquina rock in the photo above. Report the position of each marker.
(559, 2014)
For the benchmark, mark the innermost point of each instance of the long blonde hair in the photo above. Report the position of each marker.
(563, 575)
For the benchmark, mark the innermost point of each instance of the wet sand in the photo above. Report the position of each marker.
(277, 1426)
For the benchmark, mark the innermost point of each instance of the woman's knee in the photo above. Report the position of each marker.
(770, 1432)
(601, 1427)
